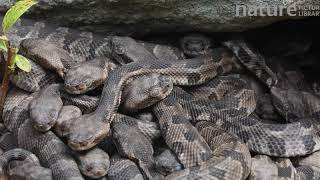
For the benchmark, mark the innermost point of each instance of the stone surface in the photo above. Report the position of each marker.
(156, 15)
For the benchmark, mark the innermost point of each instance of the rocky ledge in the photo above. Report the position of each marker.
(145, 16)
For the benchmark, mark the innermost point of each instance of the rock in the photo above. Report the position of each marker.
(142, 16)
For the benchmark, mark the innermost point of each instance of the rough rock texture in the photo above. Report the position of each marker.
(156, 15)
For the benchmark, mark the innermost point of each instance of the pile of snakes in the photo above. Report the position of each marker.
(112, 107)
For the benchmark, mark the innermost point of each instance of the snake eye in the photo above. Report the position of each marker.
(155, 92)
(119, 50)
(89, 168)
(52, 113)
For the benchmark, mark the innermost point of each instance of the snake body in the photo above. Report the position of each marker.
(164, 51)
(67, 46)
(252, 59)
(251, 130)
(53, 153)
(123, 169)
(231, 159)
(264, 167)
(189, 128)
(180, 135)
(34, 80)
(50, 150)
(135, 146)
(30, 167)
(150, 130)
(187, 72)
(25, 130)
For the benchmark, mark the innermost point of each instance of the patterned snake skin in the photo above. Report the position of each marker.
(123, 169)
(264, 167)
(32, 168)
(54, 154)
(50, 150)
(231, 158)
(186, 72)
(196, 147)
(253, 60)
(135, 146)
(193, 145)
(294, 100)
(299, 138)
(79, 46)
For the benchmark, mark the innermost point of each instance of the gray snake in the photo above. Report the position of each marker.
(188, 72)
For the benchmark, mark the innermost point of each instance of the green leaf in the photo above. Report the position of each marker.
(14, 13)
(3, 46)
(22, 63)
(3, 37)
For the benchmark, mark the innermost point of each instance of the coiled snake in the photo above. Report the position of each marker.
(231, 113)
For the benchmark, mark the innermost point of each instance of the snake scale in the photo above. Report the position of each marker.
(52, 152)
(31, 169)
(232, 112)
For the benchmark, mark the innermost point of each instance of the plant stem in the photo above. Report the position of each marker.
(6, 77)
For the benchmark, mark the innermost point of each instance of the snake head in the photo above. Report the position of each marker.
(46, 54)
(161, 86)
(93, 163)
(87, 75)
(126, 50)
(86, 132)
(95, 170)
(28, 170)
(45, 107)
(194, 45)
(43, 119)
(289, 102)
(145, 91)
(65, 120)
(119, 48)
(167, 162)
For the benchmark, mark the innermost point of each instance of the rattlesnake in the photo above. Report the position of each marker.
(264, 167)
(186, 72)
(56, 149)
(308, 140)
(52, 152)
(30, 167)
